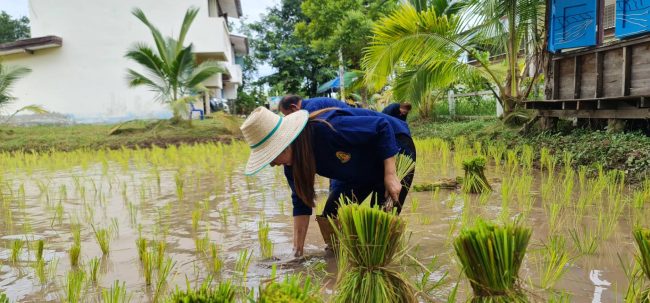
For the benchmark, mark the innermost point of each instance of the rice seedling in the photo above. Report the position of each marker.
(642, 239)
(216, 263)
(116, 294)
(141, 245)
(3, 298)
(202, 244)
(16, 248)
(585, 241)
(370, 238)
(163, 273)
(242, 264)
(148, 266)
(74, 286)
(491, 256)
(266, 246)
(103, 237)
(74, 252)
(294, 288)
(415, 203)
(93, 269)
(40, 247)
(475, 180)
(554, 262)
(196, 217)
(179, 179)
(224, 292)
(561, 297)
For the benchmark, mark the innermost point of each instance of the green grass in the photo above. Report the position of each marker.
(116, 294)
(224, 292)
(135, 133)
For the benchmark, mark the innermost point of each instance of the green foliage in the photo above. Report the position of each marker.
(171, 68)
(344, 25)
(293, 289)
(116, 294)
(371, 244)
(222, 293)
(13, 29)
(491, 256)
(298, 68)
(8, 77)
(4, 298)
(642, 238)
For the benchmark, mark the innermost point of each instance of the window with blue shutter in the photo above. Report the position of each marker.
(632, 17)
(573, 24)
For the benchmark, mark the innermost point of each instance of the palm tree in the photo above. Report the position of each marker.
(8, 77)
(171, 68)
(419, 48)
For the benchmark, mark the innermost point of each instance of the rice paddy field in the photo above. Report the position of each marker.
(134, 224)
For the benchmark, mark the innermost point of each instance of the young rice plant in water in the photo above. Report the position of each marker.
(491, 256)
(642, 238)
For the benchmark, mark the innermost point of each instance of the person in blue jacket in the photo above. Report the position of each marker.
(356, 147)
(397, 110)
(292, 103)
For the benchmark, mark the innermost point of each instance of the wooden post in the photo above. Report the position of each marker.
(556, 80)
(599, 75)
(627, 70)
(577, 76)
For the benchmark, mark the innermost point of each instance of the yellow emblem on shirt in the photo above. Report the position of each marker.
(343, 156)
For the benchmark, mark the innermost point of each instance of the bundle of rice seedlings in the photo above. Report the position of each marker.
(291, 290)
(475, 181)
(222, 293)
(371, 244)
(642, 238)
(491, 256)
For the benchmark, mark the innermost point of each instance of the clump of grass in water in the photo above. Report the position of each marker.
(555, 260)
(74, 286)
(491, 256)
(103, 237)
(371, 244)
(3, 298)
(116, 294)
(475, 180)
(266, 246)
(642, 238)
(16, 248)
(93, 269)
(243, 263)
(215, 260)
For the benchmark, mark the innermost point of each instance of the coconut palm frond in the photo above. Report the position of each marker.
(190, 15)
(8, 77)
(204, 71)
(158, 38)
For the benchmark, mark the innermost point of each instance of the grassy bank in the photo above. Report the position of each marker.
(130, 134)
(629, 152)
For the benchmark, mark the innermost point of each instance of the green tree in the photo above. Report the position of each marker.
(13, 29)
(431, 46)
(298, 68)
(171, 68)
(345, 25)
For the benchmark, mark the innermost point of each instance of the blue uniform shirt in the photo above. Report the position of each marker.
(353, 151)
(314, 104)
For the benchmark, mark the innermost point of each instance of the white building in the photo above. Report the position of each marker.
(78, 47)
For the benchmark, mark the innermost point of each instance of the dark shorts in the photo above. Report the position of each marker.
(359, 193)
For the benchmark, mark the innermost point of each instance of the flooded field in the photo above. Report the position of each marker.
(191, 213)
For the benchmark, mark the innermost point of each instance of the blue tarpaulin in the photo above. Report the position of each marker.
(632, 17)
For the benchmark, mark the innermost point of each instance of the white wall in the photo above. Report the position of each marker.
(86, 76)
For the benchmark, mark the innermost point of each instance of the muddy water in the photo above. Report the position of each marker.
(139, 192)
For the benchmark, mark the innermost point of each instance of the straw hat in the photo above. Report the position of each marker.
(268, 135)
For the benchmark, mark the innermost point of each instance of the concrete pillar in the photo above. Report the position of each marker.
(547, 123)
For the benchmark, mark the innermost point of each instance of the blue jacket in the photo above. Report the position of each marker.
(352, 150)
(314, 104)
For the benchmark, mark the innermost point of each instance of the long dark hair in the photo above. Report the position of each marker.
(303, 161)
